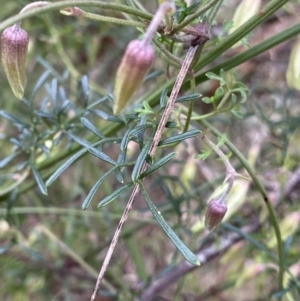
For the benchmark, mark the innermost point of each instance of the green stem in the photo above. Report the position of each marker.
(68, 211)
(96, 17)
(169, 57)
(63, 4)
(205, 116)
(223, 101)
(191, 105)
(241, 32)
(264, 195)
(194, 16)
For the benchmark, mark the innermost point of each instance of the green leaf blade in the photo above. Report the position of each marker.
(94, 189)
(180, 137)
(140, 160)
(102, 156)
(114, 195)
(189, 255)
(158, 164)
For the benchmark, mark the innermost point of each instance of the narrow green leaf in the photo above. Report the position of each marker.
(8, 159)
(94, 189)
(180, 137)
(140, 135)
(189, 255)
(85, 89)
(54, 91)
(91, 127)
(39, 180)
(64, 166)
(158, 164)
(153, 75)
(102, 156)
(115, 194)
(139, 129)
(80, 141)
(50, 68)
(140, 160)
(119, 176)
(249, 238)
(13, 119)
(171, 125)
(125, 140)
(188, 97)
(108, 117)
(40, 82)
(163, 98)
(207, 99)
(211, 75)
(44, 114)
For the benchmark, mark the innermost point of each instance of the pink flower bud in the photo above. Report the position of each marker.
(214, 213)
(137, 60)
(14, 42)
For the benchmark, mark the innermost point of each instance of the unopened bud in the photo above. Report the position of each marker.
(137, 60)
(14, 42)
(245, 10)
(214, 213)
(293, 70)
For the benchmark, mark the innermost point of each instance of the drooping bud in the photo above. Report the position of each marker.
(245, 11)
(137, 60)
(14, 43)
(214, 213)
(293, 70)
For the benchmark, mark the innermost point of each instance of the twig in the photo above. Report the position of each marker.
(168, 110)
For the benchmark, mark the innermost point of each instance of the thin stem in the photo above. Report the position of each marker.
(33, 5)
(217, 150)
(63, 4)
(241, 32)
(77, 12)
(230, 171)
(169, 57)
(223, 101)
(68, 211)
(155, 23)
(194, 16)
(16, 183)
(180, 78)
(191, 104)
(264, 195)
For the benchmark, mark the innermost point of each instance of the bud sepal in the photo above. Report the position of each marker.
(215, 213)
(137, 60)
(14, 44)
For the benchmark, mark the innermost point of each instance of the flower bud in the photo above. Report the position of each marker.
(245, 11)
(137, 60)
(293, 70)
(214, 213)
(14, 42)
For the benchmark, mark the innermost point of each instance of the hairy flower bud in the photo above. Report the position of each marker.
(137, 60)
(14, 42)
(293, 70)
(214, 213)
